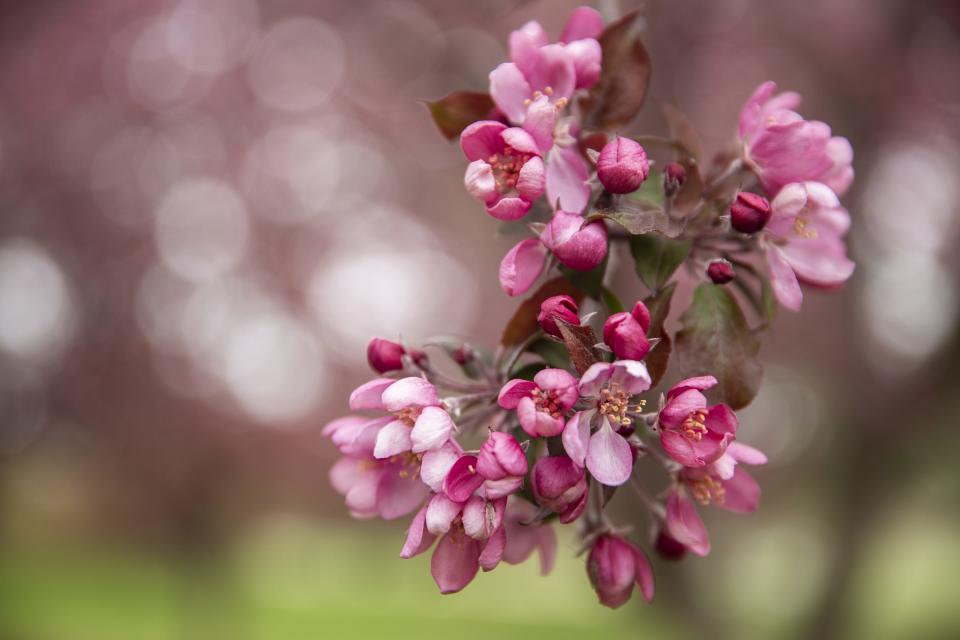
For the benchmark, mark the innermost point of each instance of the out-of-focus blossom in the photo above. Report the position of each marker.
(674, 175)
(805, 241)
(559, 484)
(614, 566)
(557, 308)
(542, 403)
(384, 355)
(720, 271)
(782, 147)
(526, 535)
(622, 165)
(749, 212)
(606, 453)
(626, 333)
(691, 432)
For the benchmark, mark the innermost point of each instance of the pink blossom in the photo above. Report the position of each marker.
(419, 424)
(506, 170)
(540, 68)
(782, 147)
(501, 456)
(614, 566)
(542, 403)
(692, 433)
(559, 484)
(606, 453)
(626, 333)
(805, 241)
(622, 165)
(522, 265)
(722, 483)
(557, 308)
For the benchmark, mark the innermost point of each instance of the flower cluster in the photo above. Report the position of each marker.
(487, 453)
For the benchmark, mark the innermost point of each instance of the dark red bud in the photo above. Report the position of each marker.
(749, 212)
(462, 355)
(385, 355)
(673, 177)
(668, 547)
(720, 271)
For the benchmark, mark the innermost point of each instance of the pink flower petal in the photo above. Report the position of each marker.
(746, 454)
(685, 525)
(587, 56)
(594, 378)
(820, 261)
(463, 479)
(584, 22)
(493, 550)
(521, 140)
(576, 437)
(509, 89)
(514, 391)
(567, 180)
(368, 395)
(532, 179)
(496, 489)
(480, 182)
(558, 380)
(741, 493)
(436, 465)
(786, 288)
(431, 430)
(455, 561)
(525, 44)
(609, 457)
(644, 575)
(440, 513)
(540, 122)
(418, 538)
(585, 249)
(680, 448)
(347, 472)
(509, 208)
(481, 518)
(392, 439)
(521, 266)
(680, 406)
(399, 491)
(631, 375)
(550, 67)
(482, 139)
(410, 392)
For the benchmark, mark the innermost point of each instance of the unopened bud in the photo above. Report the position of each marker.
(622, 166)
(720, 271)
(501, 456)
(561, 486)
(614, 566)
(626, 333)
(673, 177)
(385, 355)
(668, 547)
(749, 212)
(557, 308)
(462, 355)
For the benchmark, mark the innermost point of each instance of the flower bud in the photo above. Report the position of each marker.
(577, 245)
(462, 355)
(749, 212)
(668, 547)
(622, 166)
(624, 335)
(554, 308)
(720, 271)
(674, 176)
(419, 358)
(385, 355)
(561, 486)
(614, 565)
(501, 456)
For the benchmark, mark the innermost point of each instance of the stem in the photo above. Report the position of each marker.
(652, 505)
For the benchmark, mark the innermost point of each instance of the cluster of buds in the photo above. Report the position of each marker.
(551, 427)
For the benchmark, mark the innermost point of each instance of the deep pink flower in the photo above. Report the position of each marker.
(542, 403)
(557, 308)
(805, 241)
(385, 355)
(622, 165)
(614, 566)
(501, 456)
(419, 424)
(506, 170)
(555, 70)
(782, 147)
(722, 483)
(692, 433)
(606, 453)
(626, 333)
(559, 484)
(390, 487)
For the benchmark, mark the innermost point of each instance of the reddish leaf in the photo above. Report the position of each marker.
(523, 324)
(681, 131)
(659, 356)
(454, 112)
(619, 94)
(579, 342)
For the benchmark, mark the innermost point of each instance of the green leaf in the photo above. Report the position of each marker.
(611, 301)
(580, 343)
(638, 217)
(619, 94)
(656, 259)
(715, 340)
(591, 281)
(523, 323)
(453, 113)
(659, 356)
(527, 371)
(552, 352)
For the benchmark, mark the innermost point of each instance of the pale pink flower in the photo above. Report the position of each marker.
(542, 403)
(782, 147)
(691, 432)
(722, 483)
(559, 484)
(606, 453)
(614, 566)
(805, 241)
(419, 421)
(626, 333)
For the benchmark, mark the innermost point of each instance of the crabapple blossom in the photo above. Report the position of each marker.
(384, 355)
(557, 308)
(559, 484)
(622, 165)
(749, 212)
(626, 333)
(614, 566)
(542, 403)
(691, 432)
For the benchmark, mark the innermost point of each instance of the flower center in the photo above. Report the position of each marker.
(506, 168)
(706, 489)
(614, 403)
(800, 228)
(546, 401)
(409, 464)
(409, 415)
(694, 427)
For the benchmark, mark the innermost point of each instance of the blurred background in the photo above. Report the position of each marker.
(207, 207)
